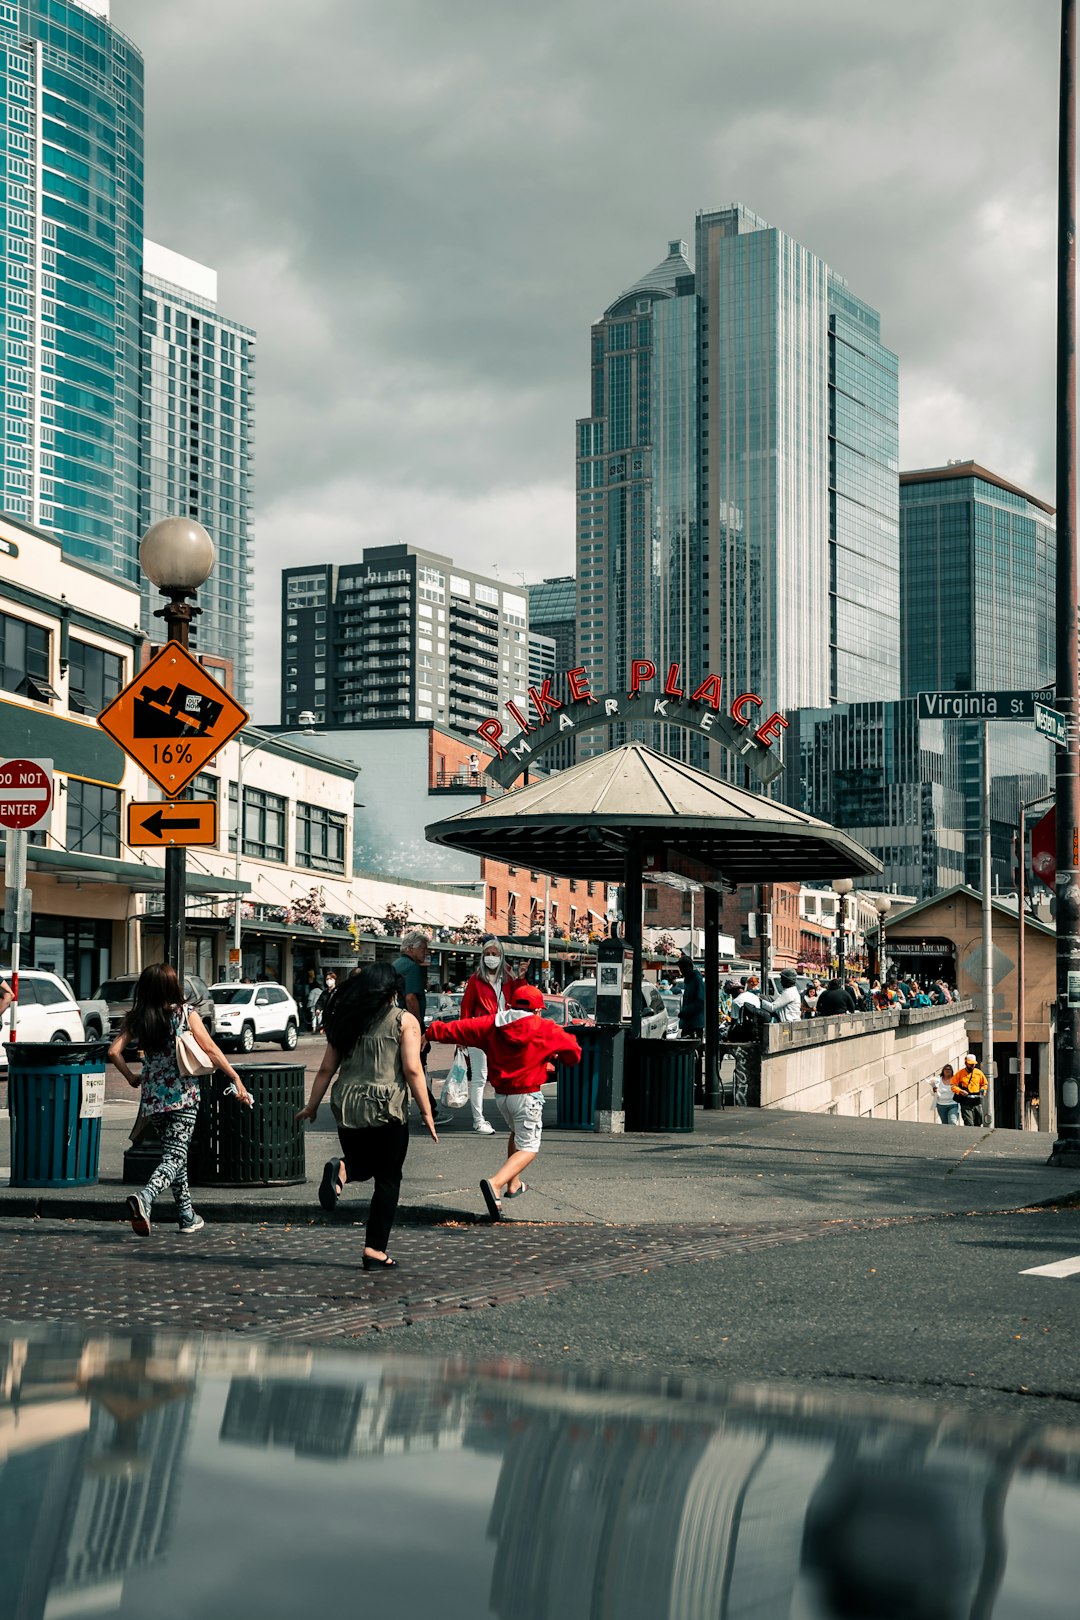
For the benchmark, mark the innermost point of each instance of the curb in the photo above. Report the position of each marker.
(45, 1205)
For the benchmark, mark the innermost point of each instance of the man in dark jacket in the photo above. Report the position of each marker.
(835, 1001)
(692, 1010)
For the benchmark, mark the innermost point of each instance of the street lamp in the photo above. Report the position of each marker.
(176, 555)
(882, 907)
(842, 887)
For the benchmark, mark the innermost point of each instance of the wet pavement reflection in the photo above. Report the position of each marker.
(187, 1476)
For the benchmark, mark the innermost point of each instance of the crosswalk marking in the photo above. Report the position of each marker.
(1057, 1268)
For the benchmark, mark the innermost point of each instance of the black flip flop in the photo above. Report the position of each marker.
(329, 1188)
(523, 1188)
(370, 1263)
(493, 1205)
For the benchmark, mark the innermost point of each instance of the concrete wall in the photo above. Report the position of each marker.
(871, 1064)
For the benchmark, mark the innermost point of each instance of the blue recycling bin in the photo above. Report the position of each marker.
(52, 1143)
(578, 1083)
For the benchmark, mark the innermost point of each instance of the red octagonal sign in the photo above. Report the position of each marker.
(26, 793)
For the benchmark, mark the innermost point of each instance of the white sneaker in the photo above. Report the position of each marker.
(195, 1224)
(484, 1129)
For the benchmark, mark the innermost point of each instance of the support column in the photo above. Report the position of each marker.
(713, 1094)
(632, 925)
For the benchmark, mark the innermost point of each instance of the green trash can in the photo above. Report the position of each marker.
(658, 1084)
(578, 1083)
(54, 1143)
(237, 1146)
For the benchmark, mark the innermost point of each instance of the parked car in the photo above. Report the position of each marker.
(119, 993)
(446, 1004)
(564, 1010)
(673, 1006)
(47, 1010)
(95, 1016)
(246, 1013)
(654, 1014)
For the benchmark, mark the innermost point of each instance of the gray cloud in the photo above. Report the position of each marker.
(422, 207)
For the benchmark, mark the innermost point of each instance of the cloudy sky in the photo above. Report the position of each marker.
(421, 206)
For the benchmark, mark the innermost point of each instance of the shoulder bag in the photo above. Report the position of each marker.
(191, 1061)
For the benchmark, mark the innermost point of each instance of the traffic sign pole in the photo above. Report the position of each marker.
(987, 932)
(15, 881)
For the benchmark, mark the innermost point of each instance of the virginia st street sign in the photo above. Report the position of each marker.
(982, 705)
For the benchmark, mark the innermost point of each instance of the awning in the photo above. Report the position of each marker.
(69, 867)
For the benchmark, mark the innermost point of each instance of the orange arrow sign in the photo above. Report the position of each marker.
(189, 822)
(172, 718)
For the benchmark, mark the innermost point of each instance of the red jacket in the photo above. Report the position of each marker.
(480, 997)
(519, 1048)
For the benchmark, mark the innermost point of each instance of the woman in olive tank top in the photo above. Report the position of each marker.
(373, 1047)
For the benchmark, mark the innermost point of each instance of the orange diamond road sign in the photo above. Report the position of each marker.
(172, 718)
(157, 826)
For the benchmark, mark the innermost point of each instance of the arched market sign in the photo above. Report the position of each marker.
(740, 728)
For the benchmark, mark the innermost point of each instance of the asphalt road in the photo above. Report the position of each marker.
(923, 1307)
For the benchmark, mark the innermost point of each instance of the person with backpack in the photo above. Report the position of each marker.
(520, 1045)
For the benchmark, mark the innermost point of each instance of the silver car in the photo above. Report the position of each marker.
(654, 1014)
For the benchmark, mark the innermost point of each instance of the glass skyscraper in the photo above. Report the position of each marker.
(638, 543)
(198, 425)
(72, 94)
(799, 459)
(977, 579)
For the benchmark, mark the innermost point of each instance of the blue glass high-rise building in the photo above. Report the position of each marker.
(638, 543)
(198, 420)
(799, 472)
(978, 557)
(71, 89)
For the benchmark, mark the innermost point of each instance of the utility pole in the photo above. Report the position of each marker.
(1066, 1150)
(987, 932)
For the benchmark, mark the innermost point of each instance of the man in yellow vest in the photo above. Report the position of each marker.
(971, 1087)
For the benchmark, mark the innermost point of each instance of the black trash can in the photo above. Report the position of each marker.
(658, 1084)
(237, 1146)
(54, 1142)
(578, 1083)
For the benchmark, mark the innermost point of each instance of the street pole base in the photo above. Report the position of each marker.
(1065, 1155)
(609, 1122)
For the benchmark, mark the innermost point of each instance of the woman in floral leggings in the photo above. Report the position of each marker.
(152, 1024)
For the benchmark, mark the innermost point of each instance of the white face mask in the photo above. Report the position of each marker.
(492, 962)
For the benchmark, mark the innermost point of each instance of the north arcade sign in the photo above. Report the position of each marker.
(740, 729)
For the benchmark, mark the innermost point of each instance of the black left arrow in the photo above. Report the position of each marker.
(157, 824)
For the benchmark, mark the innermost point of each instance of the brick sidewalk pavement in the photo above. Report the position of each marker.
(306, 1282)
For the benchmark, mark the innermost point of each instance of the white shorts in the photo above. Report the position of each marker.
(523, 1111)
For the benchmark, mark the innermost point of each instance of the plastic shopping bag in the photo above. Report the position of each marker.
(455, 1091)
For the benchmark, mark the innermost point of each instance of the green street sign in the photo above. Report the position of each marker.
(981, 705)
(1051, 724)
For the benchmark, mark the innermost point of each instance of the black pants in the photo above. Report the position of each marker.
(971, 1113)
(377, 1152)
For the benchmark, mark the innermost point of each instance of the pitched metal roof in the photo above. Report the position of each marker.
(662, 278)
(579, 823)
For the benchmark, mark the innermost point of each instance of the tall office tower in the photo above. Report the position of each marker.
(403, 635)
(72, 167)
(553, 617)
(638, 546)
(199, 372)
(977, 583)
(798, 484)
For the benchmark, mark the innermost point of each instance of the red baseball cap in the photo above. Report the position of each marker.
(527, 995)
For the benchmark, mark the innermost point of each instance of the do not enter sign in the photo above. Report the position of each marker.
(26, 793)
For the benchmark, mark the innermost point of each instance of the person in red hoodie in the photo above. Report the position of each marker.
(520, 1046)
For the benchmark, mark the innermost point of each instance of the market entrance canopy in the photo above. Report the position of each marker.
(585, 822)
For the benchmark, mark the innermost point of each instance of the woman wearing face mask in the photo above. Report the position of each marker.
(484, 993)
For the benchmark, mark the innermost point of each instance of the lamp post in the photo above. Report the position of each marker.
(1021, 1010)
(176, 555)
(842, 887)
(882, 907)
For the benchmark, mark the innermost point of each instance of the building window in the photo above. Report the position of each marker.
(652, 900)
(264, 824)
(320, 839)
(94, 677)
(24, 653)
(93, 818)
(493, 901)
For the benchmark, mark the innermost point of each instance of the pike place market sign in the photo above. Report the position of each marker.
(549, 719)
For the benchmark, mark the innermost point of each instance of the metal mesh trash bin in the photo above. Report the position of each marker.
(55, 1130)
(237, 1146)
(578, 1083)
(658, 1084)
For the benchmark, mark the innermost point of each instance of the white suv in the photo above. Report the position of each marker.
(47, 1010)
(246, 1013)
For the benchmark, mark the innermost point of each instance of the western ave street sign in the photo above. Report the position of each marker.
(172, 718)
(1051, 724)
(981, 705)
(188, 823)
